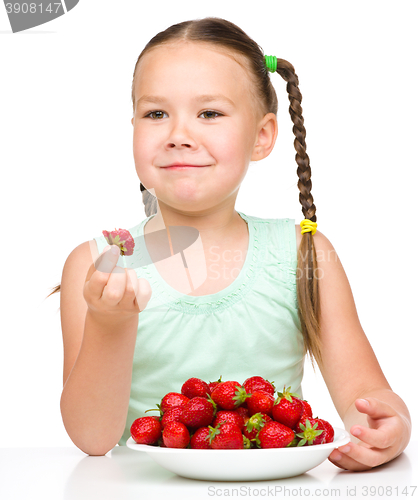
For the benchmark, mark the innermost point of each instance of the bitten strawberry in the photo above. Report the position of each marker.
(287, 409)
(229, 395)
(226, 437)
(146, 430)
(122, 238)
(274, 435)
(230, 416)
(198, 412)
(200, 439)
(254, 384)
(195, 387)
(260, 402)
(176, 435)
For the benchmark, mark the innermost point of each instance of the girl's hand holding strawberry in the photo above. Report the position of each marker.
(379, 443)
(113, 293)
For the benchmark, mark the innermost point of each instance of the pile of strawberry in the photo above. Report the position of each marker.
(228, 415)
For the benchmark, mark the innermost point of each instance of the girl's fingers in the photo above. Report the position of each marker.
(375, 408)
(99, 273)
(352, 452)
(345, 462)
(114, 290)
(383, 437)
(132, 286)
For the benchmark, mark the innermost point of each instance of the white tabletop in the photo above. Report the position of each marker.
(125, 474)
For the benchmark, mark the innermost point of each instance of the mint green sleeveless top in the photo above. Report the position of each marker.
(249, 328)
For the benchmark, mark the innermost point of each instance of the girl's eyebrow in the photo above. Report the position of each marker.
(201, 98)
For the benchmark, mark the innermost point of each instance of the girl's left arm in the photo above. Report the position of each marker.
(376, 417)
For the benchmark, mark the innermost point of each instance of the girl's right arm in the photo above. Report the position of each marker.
(100, 303)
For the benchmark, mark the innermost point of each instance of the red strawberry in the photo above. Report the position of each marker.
(312, 432)
(198, 412)
(328, 431)
(254, 384)
(287, 409)
(172, 415)
(307, 410)
(195, 387)
(212, 385)
(226, 437)
(229, 395)
(243, 411)
(274, 435)
(172, 399)
(146, 430)
(122, 238)
(260, 402)
(254, 425)
(229, 416)
(176, 435)
(200, 439)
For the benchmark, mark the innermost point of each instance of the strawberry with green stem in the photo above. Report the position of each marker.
(311, 432)
(230, 416)
(287, 408)
(229, 395)
(198, 412)
(226, 436)
(274, 435)
(254, 425)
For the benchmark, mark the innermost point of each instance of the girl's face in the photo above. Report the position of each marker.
(193, 106)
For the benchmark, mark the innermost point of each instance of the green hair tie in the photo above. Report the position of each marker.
(271, 63)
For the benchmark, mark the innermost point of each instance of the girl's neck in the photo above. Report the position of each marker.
(218, 228)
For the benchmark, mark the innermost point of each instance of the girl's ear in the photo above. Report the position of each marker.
(266, 137)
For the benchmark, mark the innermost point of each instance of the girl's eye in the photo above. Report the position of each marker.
(157, 115)
(211, 113)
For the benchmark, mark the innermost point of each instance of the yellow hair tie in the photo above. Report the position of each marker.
(308, 226)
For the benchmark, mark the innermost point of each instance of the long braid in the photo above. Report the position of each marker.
(307, 282)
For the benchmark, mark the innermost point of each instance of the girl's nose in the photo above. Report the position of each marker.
(181, 136)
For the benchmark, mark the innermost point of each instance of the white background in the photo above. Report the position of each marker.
(68, 172)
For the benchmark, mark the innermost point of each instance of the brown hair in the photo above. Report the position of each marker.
(226, 35)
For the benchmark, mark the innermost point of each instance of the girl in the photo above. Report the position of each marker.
(203, 108)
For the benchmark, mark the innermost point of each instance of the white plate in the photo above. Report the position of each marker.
(242, 465)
